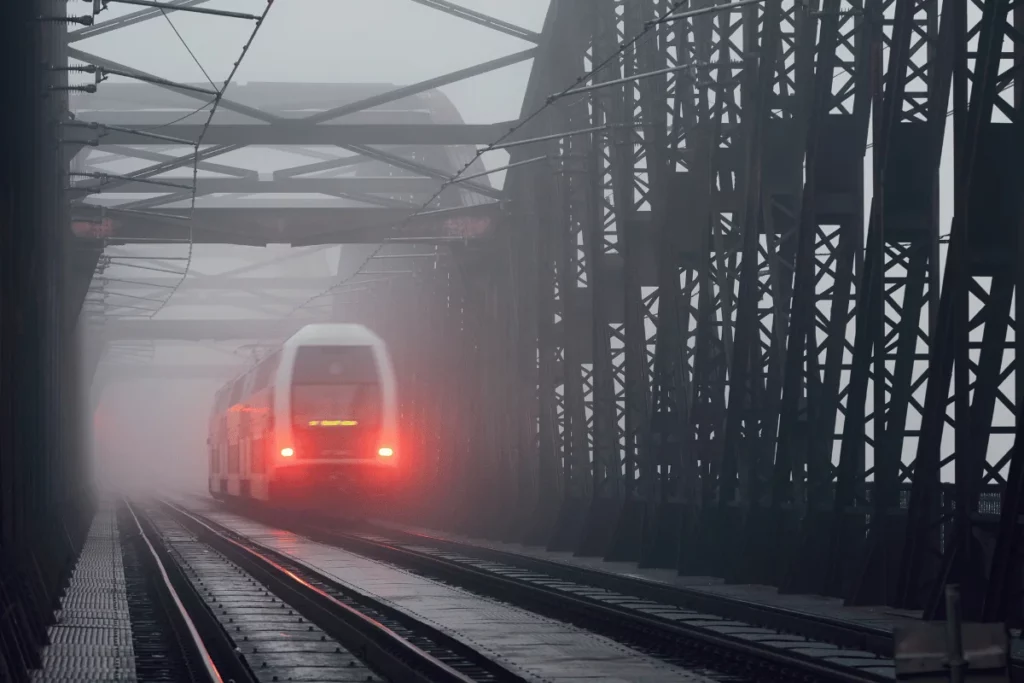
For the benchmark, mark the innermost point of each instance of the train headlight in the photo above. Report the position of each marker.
(385, 452)
(287, 452)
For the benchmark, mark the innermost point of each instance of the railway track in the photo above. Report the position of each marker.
(857, 636)
(669, 632)
(173, 638)
(258, 595)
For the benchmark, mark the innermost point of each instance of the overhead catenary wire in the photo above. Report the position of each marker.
(494, 145)
(183, 116)
(199, 141)
(187, 48)
(103, 279)
(217, 95)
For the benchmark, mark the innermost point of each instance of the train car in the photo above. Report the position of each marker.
(312, 425)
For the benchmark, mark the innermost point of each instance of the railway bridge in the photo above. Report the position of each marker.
(741, 313)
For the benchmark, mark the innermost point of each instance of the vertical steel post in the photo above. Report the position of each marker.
(954, 635)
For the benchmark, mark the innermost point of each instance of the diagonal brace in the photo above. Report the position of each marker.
(481, 19)
(422, 86)
(129, 20)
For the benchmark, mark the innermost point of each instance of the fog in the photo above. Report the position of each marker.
(383, 42)
(150, 435)
(150, 399)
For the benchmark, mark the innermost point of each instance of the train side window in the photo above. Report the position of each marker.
(258, 449)
(236, 391)
(219, 400)
(265, 371)
(233, 457)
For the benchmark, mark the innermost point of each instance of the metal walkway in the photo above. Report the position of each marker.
(92, 639)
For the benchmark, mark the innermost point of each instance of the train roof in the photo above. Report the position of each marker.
(345, 334)
(342, 334)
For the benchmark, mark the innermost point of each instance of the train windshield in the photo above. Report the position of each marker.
(336, 399)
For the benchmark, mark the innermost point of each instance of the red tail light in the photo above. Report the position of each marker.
(385, 452)
(287, 452)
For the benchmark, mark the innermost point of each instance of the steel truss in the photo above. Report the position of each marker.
(689, 344)
(700, 350)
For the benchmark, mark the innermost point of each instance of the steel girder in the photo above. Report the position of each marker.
(383, 170)
(692, 348)
(293, 134)
(724, 364)
(259, 284)
(303, 225)
(393, 148)
(898, 291)
(44, 504)
(954, 527)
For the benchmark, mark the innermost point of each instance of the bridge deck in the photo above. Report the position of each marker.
(815, 609)
(537, 648)
(769, 596)
(92, 639)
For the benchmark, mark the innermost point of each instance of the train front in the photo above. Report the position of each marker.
(338, 451)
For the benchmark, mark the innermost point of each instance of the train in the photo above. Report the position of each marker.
(313, 425)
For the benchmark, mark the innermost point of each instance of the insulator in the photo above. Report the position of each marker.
(84, 21)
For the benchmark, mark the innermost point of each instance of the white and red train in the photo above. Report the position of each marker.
(313, 424)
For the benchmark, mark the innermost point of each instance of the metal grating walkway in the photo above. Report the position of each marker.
(92, 639)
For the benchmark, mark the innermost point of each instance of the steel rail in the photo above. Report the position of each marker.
(382, 648)
(235, 669)
(559, 604)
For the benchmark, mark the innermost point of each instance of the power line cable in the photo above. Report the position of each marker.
(189, 49)
(202, 134)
